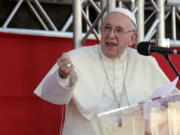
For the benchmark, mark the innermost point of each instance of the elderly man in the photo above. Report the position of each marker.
(91, 80)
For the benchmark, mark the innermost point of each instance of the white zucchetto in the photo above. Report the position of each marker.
(125, 12)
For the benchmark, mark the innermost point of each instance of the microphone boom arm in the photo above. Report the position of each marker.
(168, 59)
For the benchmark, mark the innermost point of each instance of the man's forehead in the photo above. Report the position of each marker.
(117, 19)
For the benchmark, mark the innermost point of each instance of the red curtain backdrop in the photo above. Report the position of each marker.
(25, 60)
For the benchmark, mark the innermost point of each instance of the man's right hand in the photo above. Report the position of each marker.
(65, 66)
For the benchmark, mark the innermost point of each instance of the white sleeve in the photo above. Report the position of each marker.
(57, 90)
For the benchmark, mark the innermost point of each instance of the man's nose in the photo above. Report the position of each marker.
(111, 34)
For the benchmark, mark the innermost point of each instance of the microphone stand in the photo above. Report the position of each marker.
(168, 59)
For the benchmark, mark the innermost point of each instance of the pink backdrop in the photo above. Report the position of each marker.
(24, 62)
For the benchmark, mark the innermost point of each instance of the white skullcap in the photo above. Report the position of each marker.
(125, 12)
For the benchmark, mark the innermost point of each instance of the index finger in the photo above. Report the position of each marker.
(64, 57)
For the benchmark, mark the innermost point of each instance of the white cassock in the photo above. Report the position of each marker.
(90, 93)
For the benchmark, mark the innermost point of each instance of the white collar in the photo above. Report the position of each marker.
(121, 58)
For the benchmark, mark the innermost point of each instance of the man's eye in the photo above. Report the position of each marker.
(119, 30)
(107, 27)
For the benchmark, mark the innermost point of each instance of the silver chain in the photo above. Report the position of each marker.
(112, 85)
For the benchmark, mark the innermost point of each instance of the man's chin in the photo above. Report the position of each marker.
(111, 55)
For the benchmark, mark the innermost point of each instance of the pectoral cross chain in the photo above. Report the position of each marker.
(119, 122)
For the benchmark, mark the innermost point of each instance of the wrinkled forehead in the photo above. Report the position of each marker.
(118, 19)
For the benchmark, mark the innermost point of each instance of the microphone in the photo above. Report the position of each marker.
(146, 48)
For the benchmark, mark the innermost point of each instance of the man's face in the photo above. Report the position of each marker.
(117, 33)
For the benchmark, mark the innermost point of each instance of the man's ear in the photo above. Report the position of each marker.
(133, 39)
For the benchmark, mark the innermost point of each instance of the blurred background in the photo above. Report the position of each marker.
(34, 33)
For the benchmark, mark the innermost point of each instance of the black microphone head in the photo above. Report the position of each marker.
(143, 48)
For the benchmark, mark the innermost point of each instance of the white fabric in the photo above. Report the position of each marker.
(116, 71)
(63, 81)
(84, 99)
(125, 12)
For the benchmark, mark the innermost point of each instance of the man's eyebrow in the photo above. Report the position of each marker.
(107, 24)
(119, 27)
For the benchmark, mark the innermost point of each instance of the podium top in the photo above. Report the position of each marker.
(145, 106)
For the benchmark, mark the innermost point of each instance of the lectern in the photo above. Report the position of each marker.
(160, 116)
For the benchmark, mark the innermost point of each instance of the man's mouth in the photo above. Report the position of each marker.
(110, 44)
